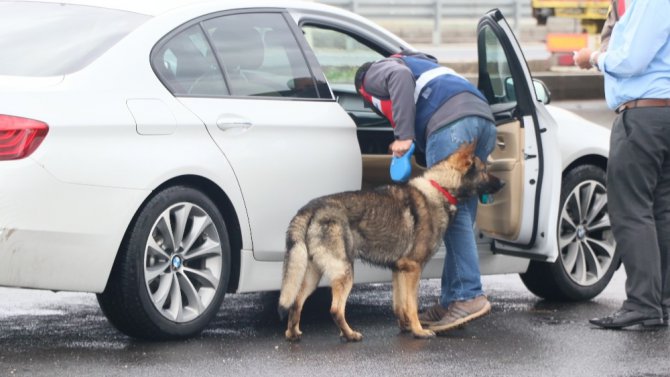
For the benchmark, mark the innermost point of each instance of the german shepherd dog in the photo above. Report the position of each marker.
(395, 226)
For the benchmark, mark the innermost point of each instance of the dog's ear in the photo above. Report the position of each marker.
(463, 158)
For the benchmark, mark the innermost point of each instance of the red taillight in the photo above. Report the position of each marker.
(19, 137)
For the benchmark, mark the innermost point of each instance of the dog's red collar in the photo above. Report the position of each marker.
(444, 192)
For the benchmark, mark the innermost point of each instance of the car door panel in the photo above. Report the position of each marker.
(299, 149)
(501, 218)
(528, 228)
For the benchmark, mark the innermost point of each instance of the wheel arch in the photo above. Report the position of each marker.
(591, 159)
(222, 202)
(550, 280)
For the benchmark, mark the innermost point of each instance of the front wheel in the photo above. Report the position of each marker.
(172, 270)
(587, 255)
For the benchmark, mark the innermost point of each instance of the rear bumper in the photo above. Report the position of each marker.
(56, 235)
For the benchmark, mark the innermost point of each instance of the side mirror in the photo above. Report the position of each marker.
(510, 91)
(542, 92)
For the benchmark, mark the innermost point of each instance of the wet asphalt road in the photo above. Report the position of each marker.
(65, 334)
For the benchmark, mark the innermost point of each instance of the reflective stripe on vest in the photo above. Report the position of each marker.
(429, 75)
(435, 85)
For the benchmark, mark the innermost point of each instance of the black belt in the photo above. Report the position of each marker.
(644, 102)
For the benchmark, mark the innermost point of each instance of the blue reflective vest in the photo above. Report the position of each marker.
(435, 85)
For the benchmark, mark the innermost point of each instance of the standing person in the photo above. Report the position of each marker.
(439, 110)
(584, 57)
(636, 66)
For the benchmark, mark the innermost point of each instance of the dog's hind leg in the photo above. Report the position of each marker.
(309, 283)
(331, 253)
(399, 296)
(341, 287)
(410, 276)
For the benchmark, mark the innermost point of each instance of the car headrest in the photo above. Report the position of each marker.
(190, 61)
(238, 47)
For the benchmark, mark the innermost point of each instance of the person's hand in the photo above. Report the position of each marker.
(400, 147)
(582, 58)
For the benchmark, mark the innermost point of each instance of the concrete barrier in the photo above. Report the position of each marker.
(566, 85)
(573, 86)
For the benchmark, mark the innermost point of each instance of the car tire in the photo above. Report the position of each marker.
(587, 254)
(158, 291)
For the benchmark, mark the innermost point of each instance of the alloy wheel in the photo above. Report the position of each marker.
(586, 243)
(182, 262)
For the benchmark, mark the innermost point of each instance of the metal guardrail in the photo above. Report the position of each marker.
(436, 10)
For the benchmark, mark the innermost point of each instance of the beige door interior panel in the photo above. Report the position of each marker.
(376, 170)
(502, 217)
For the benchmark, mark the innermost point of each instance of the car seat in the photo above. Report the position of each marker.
(241, 51)
(195, 72)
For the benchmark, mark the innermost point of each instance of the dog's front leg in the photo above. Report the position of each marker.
(410, 274)
(399, 296)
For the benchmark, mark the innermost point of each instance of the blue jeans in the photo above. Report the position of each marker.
(461, 278)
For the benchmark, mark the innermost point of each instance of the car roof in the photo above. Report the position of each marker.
(157, 7)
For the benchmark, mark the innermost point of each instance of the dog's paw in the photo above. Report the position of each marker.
(292, 336)
(353, 336)
(424, 334)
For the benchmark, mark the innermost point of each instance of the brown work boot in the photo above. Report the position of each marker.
(432, 314)
(461, 312)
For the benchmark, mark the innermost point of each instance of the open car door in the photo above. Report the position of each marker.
(521, 220)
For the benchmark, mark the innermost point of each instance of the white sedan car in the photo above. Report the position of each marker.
(153, 153)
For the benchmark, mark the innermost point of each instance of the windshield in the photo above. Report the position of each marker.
(42, 39)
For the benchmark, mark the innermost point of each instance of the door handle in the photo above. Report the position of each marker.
(229, 123)
(501, 143)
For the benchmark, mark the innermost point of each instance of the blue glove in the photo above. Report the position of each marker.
(401, 167)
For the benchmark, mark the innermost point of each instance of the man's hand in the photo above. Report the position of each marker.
(582, 58)
(400, 147)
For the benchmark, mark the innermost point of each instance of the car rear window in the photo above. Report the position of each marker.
(44, 39)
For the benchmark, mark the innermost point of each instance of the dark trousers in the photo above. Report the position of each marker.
(638, 190)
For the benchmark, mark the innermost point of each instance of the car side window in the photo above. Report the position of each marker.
(495, 79)
(260, 56)
(338, 53)
(187, 66)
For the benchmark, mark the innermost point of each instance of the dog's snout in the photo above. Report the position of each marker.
(495, 184)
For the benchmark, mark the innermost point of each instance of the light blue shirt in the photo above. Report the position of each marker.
(637, 62)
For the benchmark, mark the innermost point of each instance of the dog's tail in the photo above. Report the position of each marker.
(295, 262)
